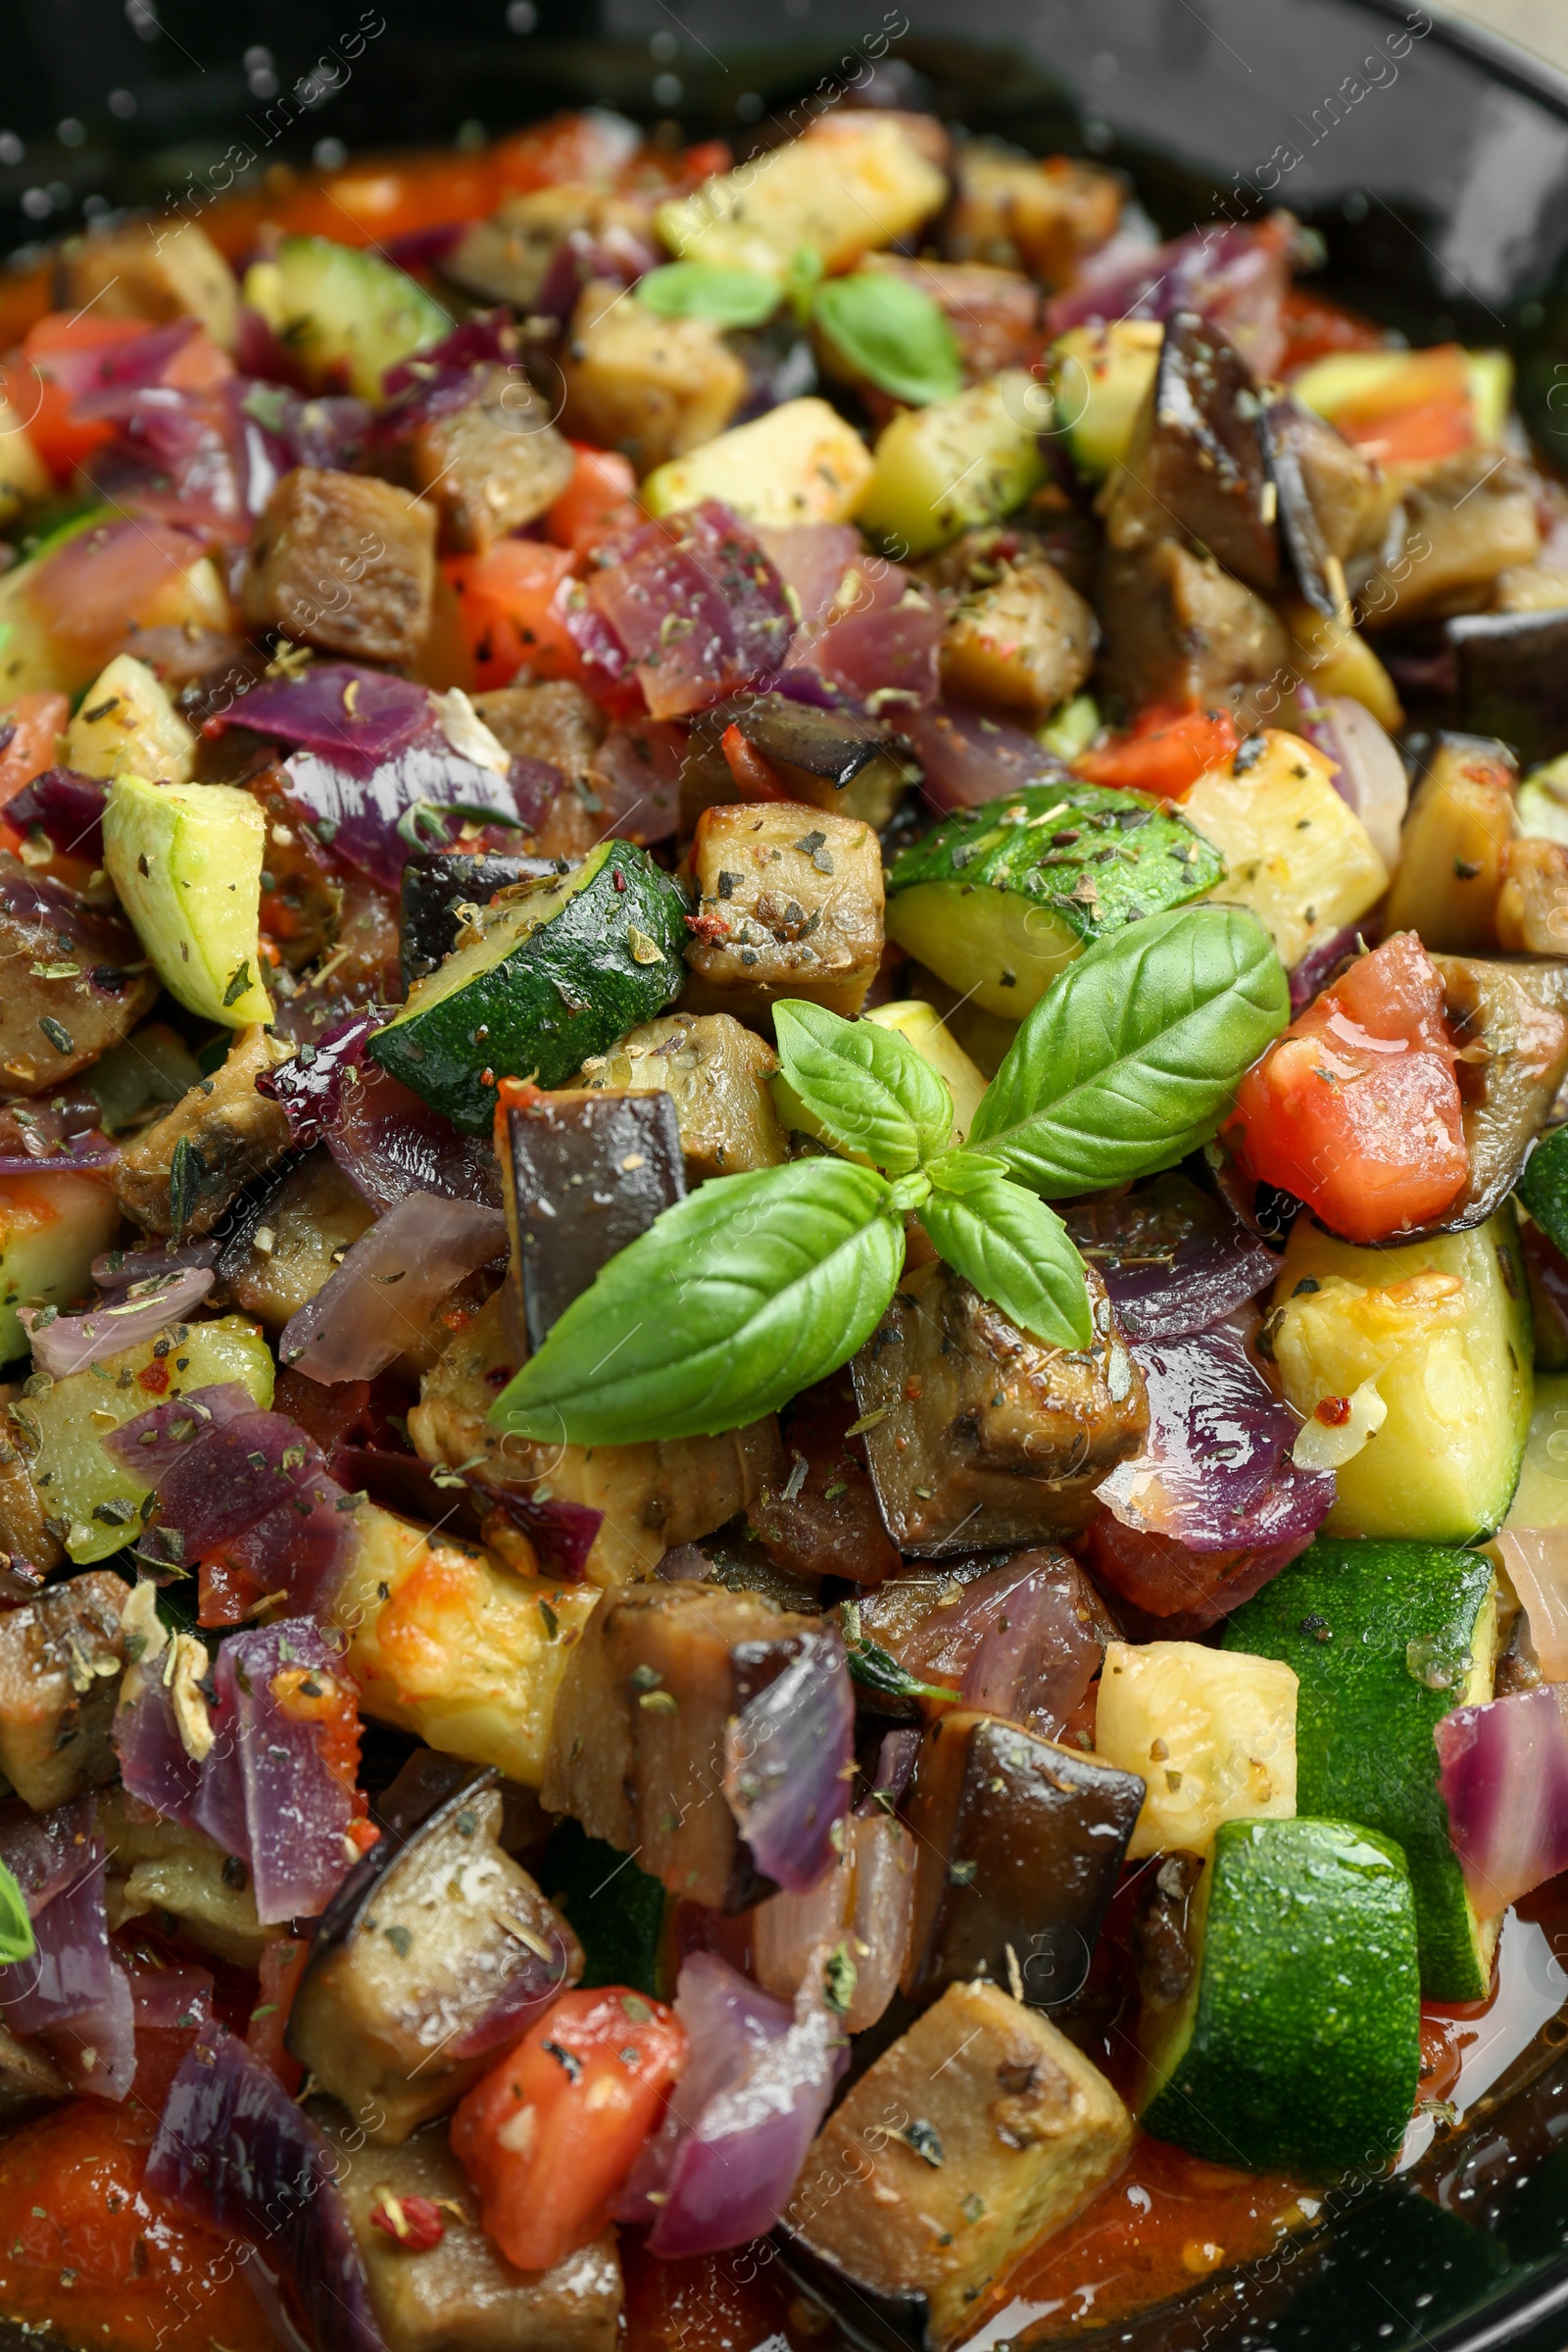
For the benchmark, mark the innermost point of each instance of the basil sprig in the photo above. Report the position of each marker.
(895, 335)
(758, 1285)
(707, 290)
(16, 1927)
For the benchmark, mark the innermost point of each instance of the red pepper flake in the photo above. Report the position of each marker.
(154, 1378)
(487, 1077)
(1333, 1412)
(915, 1390)
(414, 2223)
(708, 926)
(618, 879)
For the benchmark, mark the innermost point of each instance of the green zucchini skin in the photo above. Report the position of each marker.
(1543, 1185)
(536, 1003)
(1300, 2044)
(1359, 1620)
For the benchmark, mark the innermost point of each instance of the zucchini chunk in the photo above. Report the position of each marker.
(825, 758)
(583, 1173)
(127, 725)
(187, 859)
(1385, 1640)
(1214, 1734)
(979, 1435)
(91, 1503)
(1100, 377)
(50, 1229)
(462, 2295)
(922, 1026)
(651, 387)
(1018, 1847)
(800, 463)
(437, 889)
(345, 315)
(1440, 1330)
(346, 563)
(617, 1913)
(789, 904)
(75, 986)
(60, 1662)
(717, 1075)
(1298, 2041)
(939, 470)
(220, 1135)
(1295, 853)
(1000, 899)
(975, 2136)
(851, 186)
(551, 971)
(437, 1952)
(1453, 849)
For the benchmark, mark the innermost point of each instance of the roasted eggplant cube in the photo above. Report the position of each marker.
(651, 387)
(438, 888)
(791, 905)
(716, 1074)
(981, 1437)
(1020, 1843)
(1026, 642)
(289, 1246)
(60, 1661)
(553, 719)
(493, 465)
(76, 981)
(222, 1134)
(1510, 1021)
(637, 1748)
(1465, 521)
(461, 2295)
(975, 2136)
(426, 1964)
(1197, 462)
(584, 1173)
(155, 270)
(1513, 677)
(345, 562)
(827, 758)
(1178, 629)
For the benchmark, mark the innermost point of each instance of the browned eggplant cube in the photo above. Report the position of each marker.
(493, 465)
(435, 1955)
(157, 270)
(790, 905)
(976, 2134)
(1020, 1843)
(716, 1074)
(1026, 642)
(584, 1173)
(346, 563)
(75, 981)
(232, 1134)
(651, 387)
(60, 1662)
(553, 720)
(1197, 462)
(1178, 629)
(980, 1435)
(642, 1749)
(825, 758)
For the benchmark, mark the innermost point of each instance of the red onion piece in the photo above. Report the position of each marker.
(173, 1998)
(741, 2117)
(1216, 1471)
(117, 1270)
(236, 2154)
(812, 560)
(310, 1089)
(71, 1992)
(1370, 775)
(1236, 278)
(480, 341)
(87, 1151)
(866, 1903)
(636, 780)
(882, 644)
(1165, 1592)
(786, 1754)
(105, 382)
(372, 814)
(896, 1760)
(1537, 1561)
(1505, 1779)
(970, 760)
(67, 808)
(1024, 1640)
(65, 1344)
(318, 712)
(563, 1533)
(391, 1143)
(1174, 1259)
(1318, 966)
(294, 1810)
(154, 1440)
(384, 1292)
(702, 568)
(153, 1763)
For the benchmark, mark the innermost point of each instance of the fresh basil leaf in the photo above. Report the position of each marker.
(730, 1304)
(866, 1087)
(892, 334)
(1130, 1060)
(802, 279)
(16, 1927)
(1017, 1253)
(963, 1171)
(704, 290)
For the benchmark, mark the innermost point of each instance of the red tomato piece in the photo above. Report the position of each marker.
(1356, 1108)
(756, 777)
(43, 405)
(549, 2134)
(282, 1967)
(1164, 751)
(226, 1594)
(32, 731)
(512, 619)
(1315, 327)
(603, 486)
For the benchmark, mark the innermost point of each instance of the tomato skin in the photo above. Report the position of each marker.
(509, 602)
(1164, 752)
(1315, 327)
(603, 485)
(37, 723)
(549, 2136)
(1357, 1107)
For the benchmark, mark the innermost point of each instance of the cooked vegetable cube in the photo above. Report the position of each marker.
(998, 900)
(975, 2136)
(800, 463)
(1465, 521)
(295, 1242)
(129, 723)
(439, 889)
(1195, 462)
(438, 1952)
(716, 1074)
(75, 982)
(1213, 1734)
(1330, 658)
(187, 859)
(459, 2295)
(829, 759)
(1532, 903)
(52, 1226)
(345, 562)
(60, 1662)
(1332, 500)
(182, 1173)
(1385, 1638)
(162, 1867)
(1100, 378)
(155, 270)
(1295, 853)
(551, 971)
(1453, 852)
(979, 1434)
(790, 905)
(508, 258)
(28, 2078)
(1440, 1330)
(345, 315)
(1180, 630)
(1020, 1843)
(553, 720)
(1297, 2042)
(649, 386)
(1510, 1023)
(91, 1503)
(940, 469)
(493, 465)
(1026, 643)
(1016, 213)
(583, 1173)
(848, 187)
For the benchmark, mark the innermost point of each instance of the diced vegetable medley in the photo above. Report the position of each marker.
(785, 1245)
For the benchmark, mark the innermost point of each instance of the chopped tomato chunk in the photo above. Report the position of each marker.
(599, 495)
(1164, 751)
(1356, 1108)
(31, 732)
(551, 2133)
(1315, 327)
(511, 608)
(756, 777)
